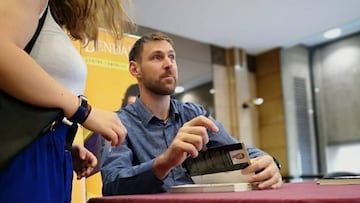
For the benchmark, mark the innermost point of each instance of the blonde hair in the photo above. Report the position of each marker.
(83, 18)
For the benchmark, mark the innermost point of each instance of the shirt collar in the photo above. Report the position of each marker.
(146, 116)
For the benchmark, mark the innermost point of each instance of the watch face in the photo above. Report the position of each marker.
(83, 101)
(83, 97)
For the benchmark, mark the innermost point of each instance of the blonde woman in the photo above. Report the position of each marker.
(53, 75)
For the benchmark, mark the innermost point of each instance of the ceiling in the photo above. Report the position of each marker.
(252, 25)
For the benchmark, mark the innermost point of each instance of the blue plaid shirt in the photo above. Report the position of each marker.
(127, 169)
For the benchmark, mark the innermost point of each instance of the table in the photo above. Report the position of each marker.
(300, 192)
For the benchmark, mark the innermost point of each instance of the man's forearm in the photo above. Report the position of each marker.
(161, 168)
(144, 183)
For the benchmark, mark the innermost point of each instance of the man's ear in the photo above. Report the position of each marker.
(134, 69)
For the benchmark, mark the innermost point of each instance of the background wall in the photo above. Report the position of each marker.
(299, 112)
(322, 106)
(201, 95)
(336, 69)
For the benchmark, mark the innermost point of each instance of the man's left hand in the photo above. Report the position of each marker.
(267, 173)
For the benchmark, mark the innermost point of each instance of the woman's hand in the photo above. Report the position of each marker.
(107, 124)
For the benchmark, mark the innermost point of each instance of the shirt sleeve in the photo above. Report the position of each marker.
(120, 177)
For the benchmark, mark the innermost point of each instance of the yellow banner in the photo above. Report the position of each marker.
(108, 75)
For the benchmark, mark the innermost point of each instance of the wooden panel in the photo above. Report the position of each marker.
(273, 135)
(268, 63)
(271, 111)
(269, 87)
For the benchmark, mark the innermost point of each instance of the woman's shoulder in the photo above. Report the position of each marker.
(24, 15)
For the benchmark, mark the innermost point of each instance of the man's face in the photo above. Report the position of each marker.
(158, 67)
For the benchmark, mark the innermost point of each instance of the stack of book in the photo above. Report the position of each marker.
(340, 179)
(219, 187)
(218, 169)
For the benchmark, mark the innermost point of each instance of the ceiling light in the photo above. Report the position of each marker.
(331, 34)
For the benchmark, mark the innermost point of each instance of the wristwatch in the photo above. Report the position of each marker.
(83, 111)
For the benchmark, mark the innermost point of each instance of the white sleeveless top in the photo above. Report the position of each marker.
(56, 54)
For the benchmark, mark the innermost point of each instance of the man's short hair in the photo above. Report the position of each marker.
(137, 48)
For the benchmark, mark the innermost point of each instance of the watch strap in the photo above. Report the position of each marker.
(82, 112)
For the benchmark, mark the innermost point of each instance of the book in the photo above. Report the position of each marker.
(220, 187)
(344, 180)
(218, 169)
(218, 159)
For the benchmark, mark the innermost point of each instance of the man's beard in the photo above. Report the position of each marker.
(160, 87)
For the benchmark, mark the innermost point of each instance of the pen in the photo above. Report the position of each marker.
(207, 114)
(109, 146)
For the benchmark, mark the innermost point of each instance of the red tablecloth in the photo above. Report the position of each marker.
(307, 192)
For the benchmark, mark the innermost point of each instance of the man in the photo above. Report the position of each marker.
(163, 132)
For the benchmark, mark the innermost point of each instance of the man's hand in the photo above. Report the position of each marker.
(268, 175)
(190, 139)
(83, 161)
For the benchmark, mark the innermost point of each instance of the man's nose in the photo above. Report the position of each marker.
(168, 62)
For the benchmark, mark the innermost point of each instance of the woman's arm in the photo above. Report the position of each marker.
(23, 78)
(20, 75)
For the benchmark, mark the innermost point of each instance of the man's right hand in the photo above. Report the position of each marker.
(190, 139)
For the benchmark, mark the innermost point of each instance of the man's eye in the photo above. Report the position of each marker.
(157, 57)
(172, 56)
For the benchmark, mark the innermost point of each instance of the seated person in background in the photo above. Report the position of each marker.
(162, 131)
(130, 95)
